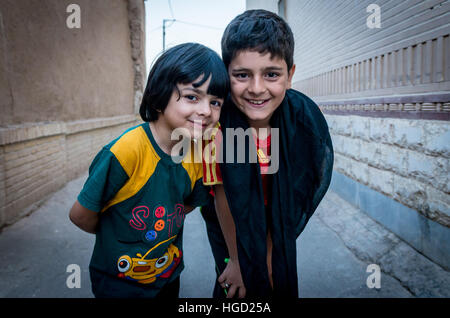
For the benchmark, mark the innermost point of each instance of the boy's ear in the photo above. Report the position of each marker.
(290, 75)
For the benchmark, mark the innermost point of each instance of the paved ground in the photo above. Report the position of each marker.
(333, 255)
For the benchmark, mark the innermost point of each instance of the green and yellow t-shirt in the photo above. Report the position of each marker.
(141, 193)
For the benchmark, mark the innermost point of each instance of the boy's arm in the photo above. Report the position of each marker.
(106, 178)
(226, 221)
(85, 219)
(232, 273)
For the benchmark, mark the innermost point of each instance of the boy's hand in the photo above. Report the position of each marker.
(233, 278)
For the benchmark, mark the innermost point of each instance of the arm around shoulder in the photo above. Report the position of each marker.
(85, 219)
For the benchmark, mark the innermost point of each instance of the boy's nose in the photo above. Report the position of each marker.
(204, 108)
(256, 86)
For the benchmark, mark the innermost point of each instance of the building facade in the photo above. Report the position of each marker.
(380, 72)
(71, 78)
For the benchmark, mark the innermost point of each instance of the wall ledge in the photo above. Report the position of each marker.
(29, 131)
(428, 237)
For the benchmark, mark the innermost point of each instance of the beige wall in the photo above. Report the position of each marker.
(64, 93)
(51, 72)
(38, 159)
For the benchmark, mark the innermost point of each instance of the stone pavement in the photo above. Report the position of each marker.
(334, 251)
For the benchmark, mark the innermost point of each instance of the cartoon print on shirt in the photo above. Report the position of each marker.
(175, 218)
(153, 227)
(160, 211)
(146, 271)
(159, 222)
(136, 221)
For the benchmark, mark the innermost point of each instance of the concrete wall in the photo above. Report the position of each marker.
(404, 159)
(64, 92)
(385, 94)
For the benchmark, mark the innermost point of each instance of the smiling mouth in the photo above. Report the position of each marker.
(198, 123)
(257, 102)
(140, 269)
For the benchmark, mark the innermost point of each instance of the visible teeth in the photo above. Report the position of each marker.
(257, 102)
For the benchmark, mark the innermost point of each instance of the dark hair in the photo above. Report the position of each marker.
(258, 30)
(183, 64)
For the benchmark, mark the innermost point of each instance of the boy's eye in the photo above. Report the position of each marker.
(240, 75)
(272, 75)
(191, 98)
(216, 103)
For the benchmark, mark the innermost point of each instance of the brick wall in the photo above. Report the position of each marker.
(38, 159)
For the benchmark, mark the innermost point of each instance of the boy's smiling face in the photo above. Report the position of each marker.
(258, 84)
(192, 109)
